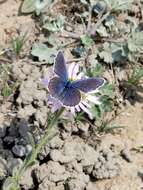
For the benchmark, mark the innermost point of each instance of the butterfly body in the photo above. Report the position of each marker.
(68, 84)
(69, 92)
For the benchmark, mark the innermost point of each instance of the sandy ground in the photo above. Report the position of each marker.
(131, 117)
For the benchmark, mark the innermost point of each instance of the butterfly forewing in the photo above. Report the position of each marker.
(88, 85)
(70, 97)
(60, 67)
(56, 87)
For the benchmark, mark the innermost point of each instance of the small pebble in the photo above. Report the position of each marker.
(23, 128)
(9, 140)
(84, 128)
(107, 165)
(19, 150)
(126, 154)
(140, 173)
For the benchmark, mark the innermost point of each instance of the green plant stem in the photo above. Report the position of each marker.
(46, 136)
(38, 148)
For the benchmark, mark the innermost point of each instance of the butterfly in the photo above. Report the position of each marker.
(66, 91)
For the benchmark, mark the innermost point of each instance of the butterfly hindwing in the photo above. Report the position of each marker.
(70, 97)
(56, 87)
(88, 85)
(60, 67)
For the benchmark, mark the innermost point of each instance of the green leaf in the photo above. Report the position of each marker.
(135, 42)
(119, 4)
(18, 43)
(96, 112)
(108, 90)
(136, 76)
(28, 6)
(106, 53)
(10, 184)
(107, 104)
(95, 71)
(43, 52)
(93, 58)
(108, 128)
(87, 40)
(112, 53)
(56, 25)
(40, 5)
(6, 91)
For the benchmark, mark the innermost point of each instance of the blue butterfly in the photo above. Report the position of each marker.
(68, 92)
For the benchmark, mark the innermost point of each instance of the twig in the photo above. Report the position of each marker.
(70, 35)
(70, 44)
(82, 21)
(99, 22)
(5, 60)
(92, 31)
(76, 60)
(121, 40)
(89, 19)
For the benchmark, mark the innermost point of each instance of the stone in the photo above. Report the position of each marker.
(84, 128)
(107, 165)
(26, 69)
(23, 128)
(2, 130)
(27, 179)
(44, 152)
(41, 115)
(26, 112)
(19, 150)
(6, 154)
(46, 185)
(9, 140)
(53, 172)
(126, 154)
(56, 143)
